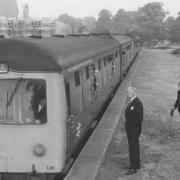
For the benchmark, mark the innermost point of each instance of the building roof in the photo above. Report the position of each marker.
(53, 53)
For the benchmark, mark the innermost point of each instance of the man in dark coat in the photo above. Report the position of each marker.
(177, 102)
(134, 118)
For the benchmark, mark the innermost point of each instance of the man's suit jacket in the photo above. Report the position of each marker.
(177, 103)
(134, 113)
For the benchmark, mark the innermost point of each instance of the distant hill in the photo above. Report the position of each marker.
(8, 8)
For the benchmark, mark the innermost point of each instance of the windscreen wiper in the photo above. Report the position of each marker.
(14, 92)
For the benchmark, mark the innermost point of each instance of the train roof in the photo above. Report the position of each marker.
(54, 53)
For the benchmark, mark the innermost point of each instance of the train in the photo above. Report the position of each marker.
(52, 90)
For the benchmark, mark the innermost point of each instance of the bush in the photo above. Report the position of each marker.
(176, 51)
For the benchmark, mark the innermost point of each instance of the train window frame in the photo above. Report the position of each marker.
(87, 73)
(77, 79)
(128, 47)
(39, 106)
(116, 54)
(99, 65)
(104, 62)
(111, 57)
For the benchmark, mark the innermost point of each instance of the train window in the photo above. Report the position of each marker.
(104, 62)
(87, 72)
(68, 97)
(113, 67)
(116, 54)
(77, 78)
(99, 65)
(128, 47)
(110, 57)
(23, 101)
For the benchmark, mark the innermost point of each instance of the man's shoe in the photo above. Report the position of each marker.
(131, 171)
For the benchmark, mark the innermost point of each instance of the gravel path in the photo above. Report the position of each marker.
(156, 80)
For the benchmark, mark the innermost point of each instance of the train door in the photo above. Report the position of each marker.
(113, 67)
(102, 72)
(93, 81)
(121, 63)
(132, 50)
(75, 90)
(105, 74)
(87, 98)
(116, 62)
(108, 69)
(124, 61)
(99, 75)
(68, 97)
(70, 122)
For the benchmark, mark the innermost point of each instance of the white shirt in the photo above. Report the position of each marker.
(132, 99)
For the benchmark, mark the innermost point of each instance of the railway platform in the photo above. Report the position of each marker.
(156, 74)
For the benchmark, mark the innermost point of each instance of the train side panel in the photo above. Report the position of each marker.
(86, 100)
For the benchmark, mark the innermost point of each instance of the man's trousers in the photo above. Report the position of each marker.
(133, 134)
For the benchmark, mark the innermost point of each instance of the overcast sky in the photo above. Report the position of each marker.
(83, 8)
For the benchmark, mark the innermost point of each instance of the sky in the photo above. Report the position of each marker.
(84, 8)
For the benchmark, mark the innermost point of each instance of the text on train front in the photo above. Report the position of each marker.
(23, 101)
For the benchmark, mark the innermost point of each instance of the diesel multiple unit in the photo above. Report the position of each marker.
(51, 93)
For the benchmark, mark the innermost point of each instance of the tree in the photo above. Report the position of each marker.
(150, 21)
(104, 22)
(75, 23)
(65, 18)
(173, 26)
(120, 22)
(79, 25)
(154, 11)
(90, 24)
(169, 21)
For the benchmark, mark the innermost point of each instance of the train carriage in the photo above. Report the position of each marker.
(51, 93)
(127, 51)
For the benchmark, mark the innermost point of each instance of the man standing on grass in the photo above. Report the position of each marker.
(177, 102)
(134, 118)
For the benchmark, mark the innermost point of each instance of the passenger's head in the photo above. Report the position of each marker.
(43, 102)
(131, 92)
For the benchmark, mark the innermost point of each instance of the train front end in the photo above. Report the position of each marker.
(32, 124)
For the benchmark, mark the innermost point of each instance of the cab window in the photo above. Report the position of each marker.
(23, 101)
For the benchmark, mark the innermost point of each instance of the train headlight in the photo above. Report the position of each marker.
(39, 150)
(4, 67)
